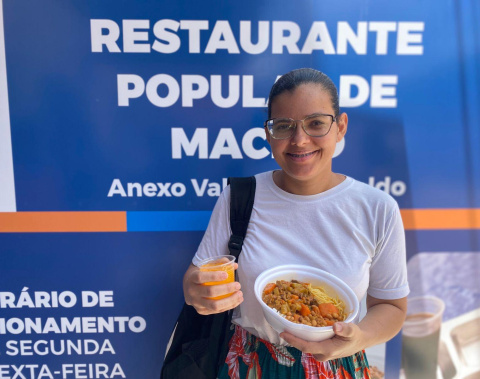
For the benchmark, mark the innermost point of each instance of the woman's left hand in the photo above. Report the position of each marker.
(382, 322)
(347, 341)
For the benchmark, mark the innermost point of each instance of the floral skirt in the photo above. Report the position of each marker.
(254, 358)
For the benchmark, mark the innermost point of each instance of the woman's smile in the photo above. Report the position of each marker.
(302, 156)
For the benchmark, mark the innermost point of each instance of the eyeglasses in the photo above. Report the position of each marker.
(315, 125)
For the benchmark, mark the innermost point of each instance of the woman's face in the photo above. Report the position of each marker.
(305, 160)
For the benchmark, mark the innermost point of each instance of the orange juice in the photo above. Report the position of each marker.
(223, 263)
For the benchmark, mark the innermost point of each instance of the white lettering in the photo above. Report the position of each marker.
(406, 37)
(163, 90)
(248, 101)
(137, 324)
(7, 299)
(280, 40)
(382, 91)
(24, 300)
(89, 325)
(194, 28)
(225, 144)
(397, 188)
(89, 299)
(164, 189)
(213, 189)
(345, 91)
(222, 38)
(345, 35)
(67, 299)
(173, 92)
(284, 37)
(247, 144)
(150, 189)
(198, 142)
(44, 372)
(134, 186)
(51, 326)
(178, 189)
(42, 299)
(129, 87)
(382, 86)
(172, 41)
(318, 38)
(117, 371)
(199, 190)
(382, 29)
(117, 189)
(106, 299)
(246, 37)
(233, 91)
(131, 36)
(193, 87)
(98, 39)
(15, 326)
(58, 347)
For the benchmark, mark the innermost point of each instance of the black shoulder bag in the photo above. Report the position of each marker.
(199, 345)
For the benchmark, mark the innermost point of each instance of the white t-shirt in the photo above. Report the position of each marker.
(353, 231)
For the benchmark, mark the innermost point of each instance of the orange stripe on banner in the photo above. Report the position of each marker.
(31, 222)
(440, 219)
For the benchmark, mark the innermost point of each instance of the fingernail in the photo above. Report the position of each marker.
(237, 286)
(338, 327)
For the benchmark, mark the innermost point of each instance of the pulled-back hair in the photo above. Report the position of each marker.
(293, 79)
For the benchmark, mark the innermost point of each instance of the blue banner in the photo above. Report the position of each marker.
(121, 122)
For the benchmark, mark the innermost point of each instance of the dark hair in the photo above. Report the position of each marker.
(293, 79)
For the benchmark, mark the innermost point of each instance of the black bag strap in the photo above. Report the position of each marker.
(242, 196)
(199, 343)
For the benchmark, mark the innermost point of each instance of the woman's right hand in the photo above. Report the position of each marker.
(196, 294)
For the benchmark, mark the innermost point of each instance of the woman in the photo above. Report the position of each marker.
(305, 213)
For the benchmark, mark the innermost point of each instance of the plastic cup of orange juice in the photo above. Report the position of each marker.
(219, 263)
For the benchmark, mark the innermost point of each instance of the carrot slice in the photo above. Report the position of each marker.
(269, 288)
(327, 309)
(329, 322)
(304, 311)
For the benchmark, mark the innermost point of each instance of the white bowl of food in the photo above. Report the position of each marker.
(326, 299)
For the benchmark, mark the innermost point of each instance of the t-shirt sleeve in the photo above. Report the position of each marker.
(216, 237)
(388, 271)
